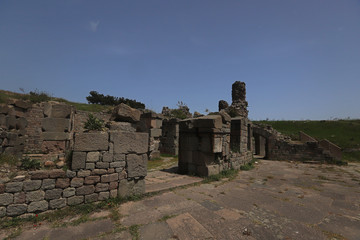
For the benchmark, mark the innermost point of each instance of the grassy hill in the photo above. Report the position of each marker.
(344, 133)
(43, 96)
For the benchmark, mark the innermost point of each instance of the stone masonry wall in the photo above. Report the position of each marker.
(104, 165)
(151, 123)
(169, 141)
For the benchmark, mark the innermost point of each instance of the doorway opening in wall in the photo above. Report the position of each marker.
(164, 162)
(261, 147)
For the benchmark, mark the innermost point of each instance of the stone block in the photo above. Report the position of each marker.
(4, 108)
(2, 212)
(10, 122)
(69, 192)
(101, 187)
(94, 141)
(57, 173)
(113, 185)
(62, 183)
(70, 174)
(208, 170)
(16, 209)
(55, 125)
(78, 160)
(99, 172)
(136, 165)
(31, 185)
(93, 157)
(2, 188)
(21, 123)
(13, 187)
(55, 136)
(108, 157)
(83, 173)
(124, 113)
(129, 142)
(85, 190)
(6, 199)
(155, 132)
(217, 145)
(77, 182)
(23, 104)
(133, 187)
(209, 121)
(91, 197)
(119, 157)
(75, 200)
(35, 196)
(90, 166)
(19, 197)
(122, 126)
(109, 177)
(38, 206)
(53, 194)
(118, 164)
(60, 111)
(113, 193)
(57, 203)
(91, 180)
(103, 196)
(102, 165)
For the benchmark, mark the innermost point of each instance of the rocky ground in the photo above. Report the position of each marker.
(276, 200)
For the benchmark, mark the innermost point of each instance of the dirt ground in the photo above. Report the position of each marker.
(276, 200)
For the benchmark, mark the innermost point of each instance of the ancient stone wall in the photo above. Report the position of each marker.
(169, 141)
(209, 145)
(151, 123)
(104, 165)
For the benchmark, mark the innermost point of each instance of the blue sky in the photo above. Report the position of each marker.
(300, 59)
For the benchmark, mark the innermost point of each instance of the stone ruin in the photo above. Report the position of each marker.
(113, 162)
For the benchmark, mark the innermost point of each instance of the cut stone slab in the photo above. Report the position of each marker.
(124, 113)
(137, 165)
(185, 226)
(94, 141)
(55, 136)
(78, 160)
(55, 125)
(129, 142)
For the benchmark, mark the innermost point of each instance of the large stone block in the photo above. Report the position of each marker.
(13, 187)
(133, 187)
(210, 121)
(78, 160)
(55, 136)
(137, 165)
(122, 126)
(23, 104)
(75, 200)
(16, 209)
(6, 199)
(38, 206)
(155, 132)
(31, 185)
(57, 203)
(53, 194)
(85, 190)
(93, 157)
(129, 142)
(21, 123)
(69, 192)
(35, 196)
(55, 125)
(124, 113)
(60, 111)
(109, 177)
(95, 141)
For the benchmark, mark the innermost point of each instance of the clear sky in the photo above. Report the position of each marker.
(300, 59)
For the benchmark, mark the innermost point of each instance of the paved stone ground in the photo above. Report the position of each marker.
(276, 200)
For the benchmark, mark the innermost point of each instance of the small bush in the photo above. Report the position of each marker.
(248, 166)
(94, 123)
(30, 164)
(38, 96)
(8, 159)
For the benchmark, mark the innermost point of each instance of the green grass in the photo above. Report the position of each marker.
(248, 166)
(230, 174)
(344, 133)
(8, 159)
(157, 163)
(134, 231)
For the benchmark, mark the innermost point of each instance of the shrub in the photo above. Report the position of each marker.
(94, 123)
(98, 98)
(30, 164)
(8, 159)
(38, 96)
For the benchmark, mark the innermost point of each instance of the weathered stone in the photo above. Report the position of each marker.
(75, 200)
(223, 105)
(13, 187)
(4, 108)
(108, 157)
(3, 211)
(77, 182)
(19, 178)
(136, 165)
(90, 180)
(155, 132)
(109, 177)
(95, 141)
(110, 170)
(83, 173)
(19, 197)
(60, 164)
(49, 163)
(129, 142)
(10, 122)
(122, 126)
(118, 164)
(99, 172)
(31, 185)
(119, 157)
(23, 104)
(90, 166)
(113, 185)
(85, 190)
(57, 173)
(101, 187)
(48, 184)
(57, 203)
(55, 136)
(62, 183)
(16, 209)
(103, 196)
(78, 160)
(68, 192)
(53, 194)
(55, 125)
(2, 188)
(60, 111)
(91, 198)
(41, 174)
(38, 206)
(35, 196)
(225, 116)
(209, 121)
(133, 187)
(102, 165)
(238, 91)
(92, 157)
(6, 199)
(124, 113)
(113, 193)
(70, 174)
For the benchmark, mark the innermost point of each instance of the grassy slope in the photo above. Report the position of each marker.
(344, 133)
(5, 95)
